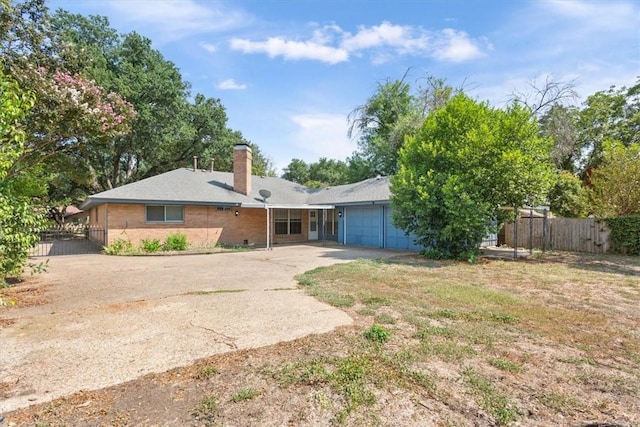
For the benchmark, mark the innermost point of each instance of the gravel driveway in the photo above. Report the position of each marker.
(108, 320)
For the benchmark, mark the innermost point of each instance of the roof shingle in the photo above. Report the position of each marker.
(184, 186)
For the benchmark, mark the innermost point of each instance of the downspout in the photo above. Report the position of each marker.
(268, 226)
(382, 242)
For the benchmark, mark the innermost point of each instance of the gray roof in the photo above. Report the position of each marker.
(369, 190)
(184, 186)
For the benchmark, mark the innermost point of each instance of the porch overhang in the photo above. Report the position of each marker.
(268, 207)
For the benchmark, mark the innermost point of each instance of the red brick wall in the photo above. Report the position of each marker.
(203, 225)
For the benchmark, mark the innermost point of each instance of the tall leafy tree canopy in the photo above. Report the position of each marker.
(392, 113)
(325, 172)
(615, 184)
(611, 115)
(465, 162)
(169, 128)
(109, 109)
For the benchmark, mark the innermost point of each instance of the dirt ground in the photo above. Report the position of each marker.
(94, 321)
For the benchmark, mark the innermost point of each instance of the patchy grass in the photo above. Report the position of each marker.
(559, 402)
(543, 320)
(206, 372)
(505, 365)
(330, 296)
(244, 394)
(206, 410)
(494, 402)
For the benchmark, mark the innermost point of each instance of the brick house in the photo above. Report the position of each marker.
(212, 207)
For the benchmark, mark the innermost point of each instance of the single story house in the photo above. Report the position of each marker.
(212, 207)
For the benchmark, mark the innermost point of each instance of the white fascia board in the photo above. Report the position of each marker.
(279, 206)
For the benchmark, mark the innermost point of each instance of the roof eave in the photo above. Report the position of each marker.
(92, 202)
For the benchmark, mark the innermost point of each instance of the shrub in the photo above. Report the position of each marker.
(378, 334)
(175, 242)
(625, 234)
(119, 247)
(151, 245)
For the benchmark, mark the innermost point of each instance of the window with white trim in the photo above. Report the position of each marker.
(287, 221)
(164, 213)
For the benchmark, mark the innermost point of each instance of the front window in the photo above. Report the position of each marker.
(288, 221)
(160, 213)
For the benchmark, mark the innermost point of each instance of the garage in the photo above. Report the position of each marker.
(395, 238)
(362, 225)
(372, 226)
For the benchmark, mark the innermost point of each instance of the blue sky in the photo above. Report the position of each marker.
(290, 71)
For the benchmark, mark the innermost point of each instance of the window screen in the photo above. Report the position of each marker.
(164, 213)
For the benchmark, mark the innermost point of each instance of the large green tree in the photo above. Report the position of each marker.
(560, 124)
(466, 162)
(394, 111)
(611, 115)
(615, 183)
(325, 172)
(568, 197)
(69, 110)
(19, 221)
(170, 128)
(296, 171)
(376, 122)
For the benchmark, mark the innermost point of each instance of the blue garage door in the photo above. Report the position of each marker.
(394, 237)
(363, 226)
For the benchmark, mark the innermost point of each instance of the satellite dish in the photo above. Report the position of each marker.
(265, 194)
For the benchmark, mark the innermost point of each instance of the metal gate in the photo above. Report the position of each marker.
(70, 240)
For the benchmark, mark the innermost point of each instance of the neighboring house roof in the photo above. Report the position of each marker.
(71, 210)
(184, 186)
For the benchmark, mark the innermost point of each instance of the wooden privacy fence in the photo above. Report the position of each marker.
(559, 234)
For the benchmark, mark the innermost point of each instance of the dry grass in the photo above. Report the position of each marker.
(547, 341)
(503, 332)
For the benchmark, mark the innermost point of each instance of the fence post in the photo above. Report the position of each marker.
(515, 233)
(530, 231)
(544, 230)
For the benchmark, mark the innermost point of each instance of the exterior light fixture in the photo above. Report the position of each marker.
(237, 213)
(339, 214)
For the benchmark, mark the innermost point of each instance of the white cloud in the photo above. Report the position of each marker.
(322, 135)
(456, 46)
(177, 19)
(230, 84)
(384, 42)
(208, 47)
(292, 50)
(385, 34)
